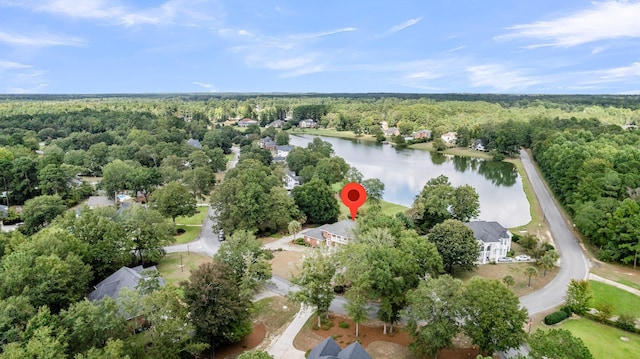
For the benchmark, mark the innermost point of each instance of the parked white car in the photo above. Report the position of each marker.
(505, 259)
(523, 258)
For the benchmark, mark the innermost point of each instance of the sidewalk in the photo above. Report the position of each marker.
(597, 278)
(282, 347)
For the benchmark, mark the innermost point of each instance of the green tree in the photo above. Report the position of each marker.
(255, 354)
(174, 200)
(116, 177)
(43, 344)
(219, 311)
(456, 244)
(439, 145)
(433, 310)
(294, 227)
(466, 203)
(579, 296)
(199, 181)
(557, 344)
(147, 232)
(492, 315)
(55, 179)
(171, 331)
(38, 212)
(15, 312)
(315, 281)
(530, 272)
(374, 188)
(249, 262)
(282, 138)
(548, 261)
(317, 201)
(508, 280)
(113, 350)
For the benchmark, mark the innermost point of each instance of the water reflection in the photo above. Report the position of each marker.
(405, 172)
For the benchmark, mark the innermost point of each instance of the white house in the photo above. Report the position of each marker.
(291, 180)
(308, 123)
(449, 137)
(494, 240)
(283, 151)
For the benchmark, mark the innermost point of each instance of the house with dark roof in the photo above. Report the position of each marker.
(276, 124)
(268, 143)
(194, 143)
(391, 131)
(124, 277)
(422, 134)
(284, 150)
(329, 349)
(494, 240)
(330, 234)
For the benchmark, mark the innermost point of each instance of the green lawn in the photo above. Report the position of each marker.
(604, 341)
(191, 232)
(170, 270)
(387, 207)
(330, 132)
(629, 283)
(198, 218)
(623, 302)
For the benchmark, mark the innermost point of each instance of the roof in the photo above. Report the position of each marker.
(329, 349)
(246, 120)
(315, 233)
(194, 143)
(99, 201)
(124, 277)
(287, 148)
(343, 228)
(488, 231)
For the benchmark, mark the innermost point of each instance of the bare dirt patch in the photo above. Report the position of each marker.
(232, 351)
(515, 269)
(286, 263)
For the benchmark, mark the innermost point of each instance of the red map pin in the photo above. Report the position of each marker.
(353, 196)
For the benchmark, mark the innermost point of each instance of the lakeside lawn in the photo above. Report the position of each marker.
(602, 340)
(330, 132)
(623, 302)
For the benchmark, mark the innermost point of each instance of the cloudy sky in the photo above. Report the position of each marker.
(434, 46)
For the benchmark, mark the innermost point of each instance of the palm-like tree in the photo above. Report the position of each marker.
(530, 272)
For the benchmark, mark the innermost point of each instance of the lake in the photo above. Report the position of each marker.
(404, 173)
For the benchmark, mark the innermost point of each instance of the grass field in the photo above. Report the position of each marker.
(190, 234)
(623, 302)
(604, 341)
(170, 270)
(197, 219)
(330, 132)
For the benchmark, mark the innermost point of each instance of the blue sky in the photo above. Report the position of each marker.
(434, 46)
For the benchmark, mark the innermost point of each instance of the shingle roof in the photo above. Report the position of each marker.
(122, 278)
(487, 231)
(329, 349)
(194, 143)
(343, 228)
(315, 233)
(99, 201)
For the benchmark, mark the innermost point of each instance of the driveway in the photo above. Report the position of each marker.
(573, 262)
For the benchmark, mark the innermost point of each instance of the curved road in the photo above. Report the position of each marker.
(573, 262)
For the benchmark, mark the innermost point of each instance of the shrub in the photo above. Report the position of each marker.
(343, 324)
(604, 311)
(555, 317)
(566, 309)
(626, 322)
(515, 238)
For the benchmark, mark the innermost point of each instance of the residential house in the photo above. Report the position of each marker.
(391, 131)
(194, 143)
(99, 201)
(449, 137)
(276, 124)
(329, 349)
(268, 143)
(283, 151)
(308, 123)
(291, 180)
(478, 146)
(422, 134)
(246, 122)
(330, 234)
(494, 240)
(124, 277)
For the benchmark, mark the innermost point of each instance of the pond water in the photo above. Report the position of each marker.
(405, 172)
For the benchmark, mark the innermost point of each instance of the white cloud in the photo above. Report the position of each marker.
(40, 40)
(402, 26)
(202, 84)
(603, 21)
(457, 48)
(621, 72)
(499, 77)
(21, 90)
(10, 65)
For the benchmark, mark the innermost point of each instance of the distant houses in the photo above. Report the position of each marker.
(308, 123)
(276, 124)
(246, 122)
(291, 180)
(422, 134)
(449, 137)
(391, 131)
(194, 143)
(99, 201)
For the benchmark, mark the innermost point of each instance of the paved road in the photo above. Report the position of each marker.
(573, 262)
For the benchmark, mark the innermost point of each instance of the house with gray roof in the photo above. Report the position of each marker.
(329, 349)
(330, 234)
(194, 143)
(124, 277)
(99, 201)
(494, 240)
